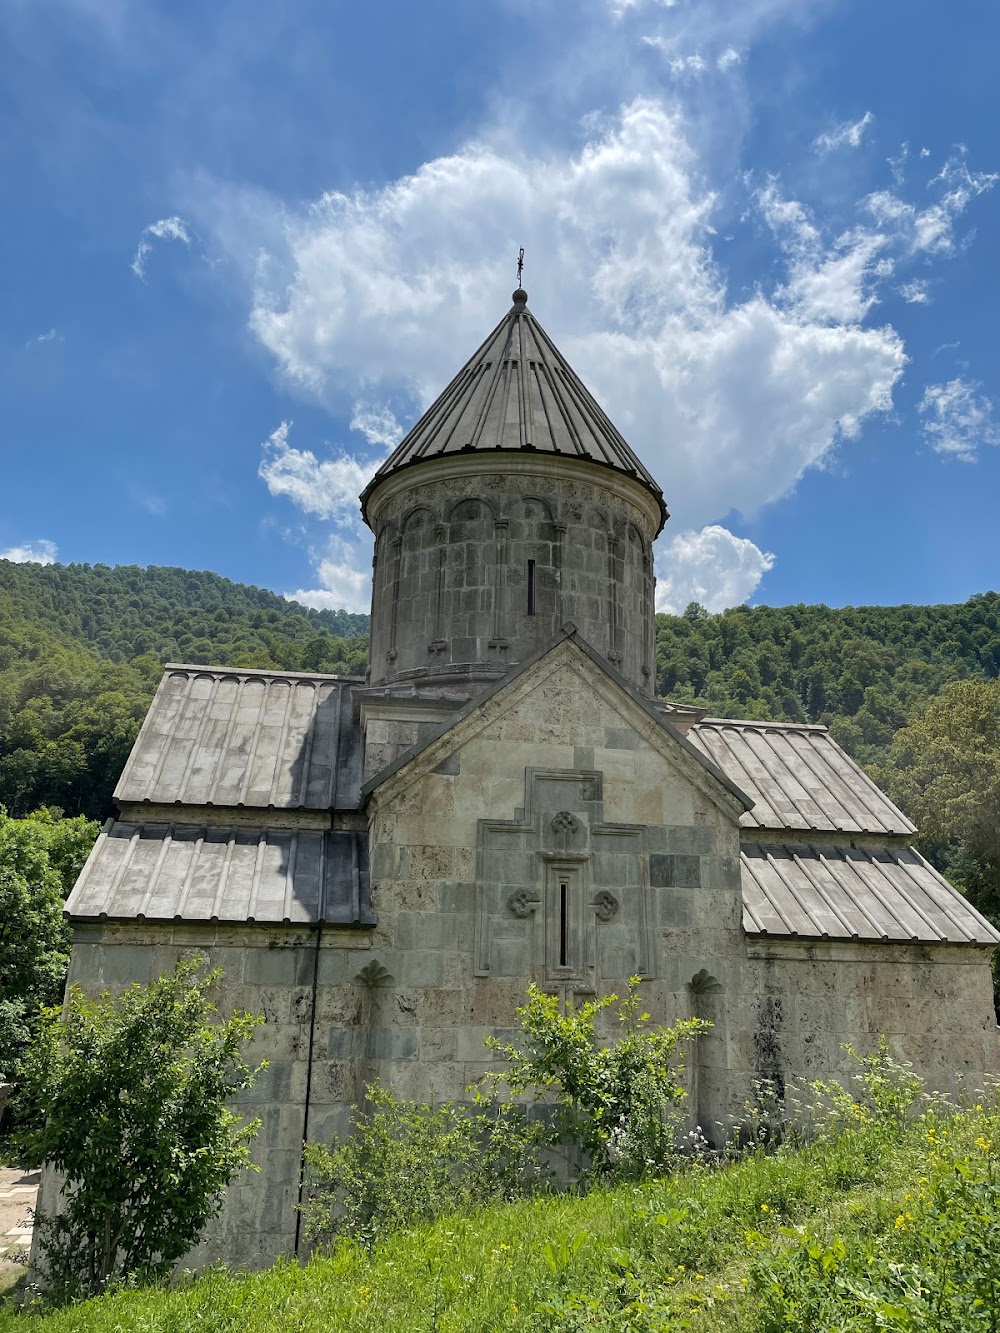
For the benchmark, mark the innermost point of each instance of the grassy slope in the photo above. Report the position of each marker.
(690, 1252)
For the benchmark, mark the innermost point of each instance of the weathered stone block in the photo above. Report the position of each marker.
(672, 870)
(392, 1044)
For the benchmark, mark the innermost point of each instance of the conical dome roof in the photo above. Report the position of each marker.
(517, 393)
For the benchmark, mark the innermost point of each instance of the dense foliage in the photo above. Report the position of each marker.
(944, 769)
(130, 1104)
(878, 1220)
(40, 857)
(861, 670)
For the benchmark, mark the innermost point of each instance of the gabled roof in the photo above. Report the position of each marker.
(854, 893)
(254, 739)
(569, 636)
(799, 778)
(517, 392)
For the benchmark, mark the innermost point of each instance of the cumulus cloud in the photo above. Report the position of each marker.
(712, 567)
(374, 296)
(327, 488)
(344, 589)
(345, 583)
(848, 134)
(41, 552)
(958, 420)
(727, 403)
(166, 229)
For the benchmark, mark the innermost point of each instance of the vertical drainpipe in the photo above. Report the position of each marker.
(309, 1075)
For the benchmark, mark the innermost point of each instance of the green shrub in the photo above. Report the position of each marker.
(129, 1105)
(406, 1162)
(617, 1107)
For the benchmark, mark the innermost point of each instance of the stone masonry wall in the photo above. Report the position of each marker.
(474, 572)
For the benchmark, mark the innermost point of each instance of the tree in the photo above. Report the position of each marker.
(129, 1104)
(40, 857)
(944, 770)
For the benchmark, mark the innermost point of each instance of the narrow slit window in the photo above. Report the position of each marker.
(531, 587)
(563, 923)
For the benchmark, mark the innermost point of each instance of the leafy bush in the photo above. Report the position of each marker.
(40, 857)
(130, 1096)
(616, 1106)
(405, 1162)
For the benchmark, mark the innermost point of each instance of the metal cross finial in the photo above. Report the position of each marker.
(520, 265)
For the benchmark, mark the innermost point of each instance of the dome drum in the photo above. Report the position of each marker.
(476, 568)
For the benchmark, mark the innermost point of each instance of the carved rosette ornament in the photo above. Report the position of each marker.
(564, 822)
(606, 905)
(522, 902)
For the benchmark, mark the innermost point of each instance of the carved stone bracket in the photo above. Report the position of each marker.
(606, 905)
(522, 902)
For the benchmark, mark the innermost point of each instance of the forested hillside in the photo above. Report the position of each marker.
(81, 647)
(861, 670)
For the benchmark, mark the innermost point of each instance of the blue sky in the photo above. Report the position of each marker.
(246, 242)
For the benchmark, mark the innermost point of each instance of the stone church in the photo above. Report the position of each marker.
(381, 865)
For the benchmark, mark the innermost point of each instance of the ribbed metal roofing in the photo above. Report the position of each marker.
(256, 739)
(799, 778)
(853, 893)
(517, 393)
(158, 872)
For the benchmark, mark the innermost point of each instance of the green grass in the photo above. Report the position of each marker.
(707, 1249)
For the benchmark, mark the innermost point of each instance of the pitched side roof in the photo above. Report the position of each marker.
(799, 778)
(258, 739)
(517, 392)
(158, 872)
(852, 893)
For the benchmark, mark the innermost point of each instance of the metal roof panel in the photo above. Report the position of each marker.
(887, 894)
(166, 872)
(215, 736)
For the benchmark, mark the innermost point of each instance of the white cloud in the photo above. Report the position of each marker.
(42, 552)
(50, 336)
(344, 589)
(931, 230)
(344, 577)
(729, 58)
(848, 134)
(327, 488)
(712, 567)
(374, 296)
(958, 420)
(377, 424)
(692, 64)
(166, 229)
(915, 292)
(385, 291)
